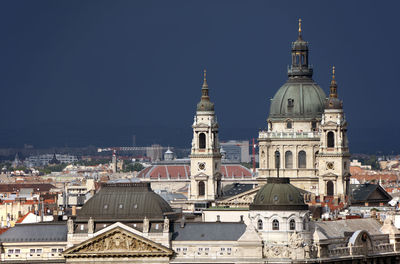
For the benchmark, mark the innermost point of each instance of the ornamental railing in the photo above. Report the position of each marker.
(267, 134)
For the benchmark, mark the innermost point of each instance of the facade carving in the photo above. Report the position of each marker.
(119, 242)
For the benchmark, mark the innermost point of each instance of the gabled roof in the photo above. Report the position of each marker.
(235, 189)
(369, 193)
(40, 232)
(208, 231)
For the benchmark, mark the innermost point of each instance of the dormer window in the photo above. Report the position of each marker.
(290, 102)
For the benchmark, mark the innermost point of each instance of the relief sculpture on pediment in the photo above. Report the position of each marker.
(118, 242)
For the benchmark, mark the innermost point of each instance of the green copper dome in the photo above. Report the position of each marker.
(205, 105)
(278, 194)
(298, 99)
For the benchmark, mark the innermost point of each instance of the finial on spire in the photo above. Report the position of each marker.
(333, 87)
(205, 85)
(300, 27)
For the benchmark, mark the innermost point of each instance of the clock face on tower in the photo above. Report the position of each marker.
(202, 165)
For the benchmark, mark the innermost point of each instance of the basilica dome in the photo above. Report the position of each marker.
(278, 194)
(298, 99)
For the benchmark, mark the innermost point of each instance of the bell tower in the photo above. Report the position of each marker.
(333, 157)
(205, 157)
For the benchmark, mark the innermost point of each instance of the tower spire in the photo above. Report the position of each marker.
(333, 87)
(205, 85)
(300, 37)
(205, 104)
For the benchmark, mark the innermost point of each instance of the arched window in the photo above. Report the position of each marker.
(289, 124)
(202, 140)
(304, 224)
(292, 224)
(331, 139)
(260, 224)
(302, 159)
(329, 188)
(275, 225)
(288, 159)
(277, 159)
(202, 188)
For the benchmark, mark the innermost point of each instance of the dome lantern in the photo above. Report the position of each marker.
(300, 67)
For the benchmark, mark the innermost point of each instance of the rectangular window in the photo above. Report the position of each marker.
(11, 251)
(60, 250)
(39, 250)
(222, 249)
(200, 249)
(17, 251)
(53, 250)
(32, 250)
(178, 249)
(207, 249)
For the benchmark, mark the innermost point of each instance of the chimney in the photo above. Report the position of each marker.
(183, 222)
(73, 210)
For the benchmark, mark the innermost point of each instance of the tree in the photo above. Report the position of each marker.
(129, 167)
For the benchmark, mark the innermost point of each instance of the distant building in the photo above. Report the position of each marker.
(356, 163)
(43, 160)
(236, 150)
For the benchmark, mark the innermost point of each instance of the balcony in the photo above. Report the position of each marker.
(288, 135)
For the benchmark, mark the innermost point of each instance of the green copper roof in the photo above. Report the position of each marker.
(205, 104)
(278, 194)
(298, 99)
(125, 201)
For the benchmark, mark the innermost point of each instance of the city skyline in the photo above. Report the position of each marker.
(96, 73)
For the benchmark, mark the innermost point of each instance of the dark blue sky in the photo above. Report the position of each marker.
(95, 72)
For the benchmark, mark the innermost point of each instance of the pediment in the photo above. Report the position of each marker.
(201, 175)
(330, 123)
(330, 175)
(118, 242)
(244, 198)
